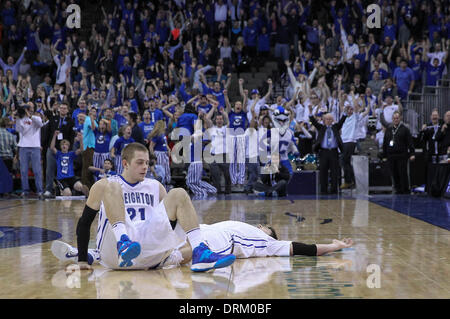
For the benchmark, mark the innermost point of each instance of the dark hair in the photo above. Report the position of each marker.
(110, 161)
(274, 233)
(133, 116)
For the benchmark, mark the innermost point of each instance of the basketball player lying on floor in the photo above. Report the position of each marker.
(137, 220)
(241, 239)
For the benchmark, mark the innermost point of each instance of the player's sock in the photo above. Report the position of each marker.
(195, 237)
(119, 230)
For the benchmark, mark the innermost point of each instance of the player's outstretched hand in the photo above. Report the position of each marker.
(344, 243)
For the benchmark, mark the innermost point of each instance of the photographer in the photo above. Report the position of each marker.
(155, 171)
(28, 124)
(274, 178)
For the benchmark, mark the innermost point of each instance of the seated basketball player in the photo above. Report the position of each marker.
(136, 222)
(242, 239)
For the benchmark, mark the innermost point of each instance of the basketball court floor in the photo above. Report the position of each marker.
(401, 250)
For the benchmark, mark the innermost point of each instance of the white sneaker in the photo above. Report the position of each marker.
(65, 252)
(47, 194)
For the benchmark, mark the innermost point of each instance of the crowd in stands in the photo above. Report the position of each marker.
(154, 71)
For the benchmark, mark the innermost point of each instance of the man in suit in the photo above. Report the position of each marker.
(397, 148)
(328, 143)
(430, 145)
(443, 135)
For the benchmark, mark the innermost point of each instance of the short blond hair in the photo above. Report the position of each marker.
(129, 151)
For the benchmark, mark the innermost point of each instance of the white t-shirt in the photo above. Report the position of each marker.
(388, 111)
(29, 131)
(379, 138)
(252, 142)
(218, 139)
(436, 55)
(300, 113)
(349, 128)
(361, 127)
(220, 12)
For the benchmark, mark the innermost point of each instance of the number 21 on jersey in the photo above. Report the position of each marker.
(140, 213)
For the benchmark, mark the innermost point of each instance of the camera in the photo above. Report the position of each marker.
(21, 110)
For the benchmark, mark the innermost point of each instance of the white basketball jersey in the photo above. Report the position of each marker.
(140, 201)
(243, 240)
(146, 222)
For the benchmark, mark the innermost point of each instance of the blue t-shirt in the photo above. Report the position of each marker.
(75, 115)
(250, 34)
(417, 69)
(64, 164)
(204, 109)
(238, 120)
(102, 141)
(219, 95)
(121, 120)
(390, 31)
(403, 78)
(156, 115)
(146, 128)
(187, 121)
(134, 106)
(120, 144)
(160, 143)
(434, 74)
(264, 42)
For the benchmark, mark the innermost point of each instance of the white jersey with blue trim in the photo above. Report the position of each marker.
(140, 199)
(243, 240)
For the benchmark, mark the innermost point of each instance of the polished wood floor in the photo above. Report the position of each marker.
(413, 257)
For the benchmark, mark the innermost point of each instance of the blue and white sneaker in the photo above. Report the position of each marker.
(128, 250)
(203, 259)
(65, 252)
